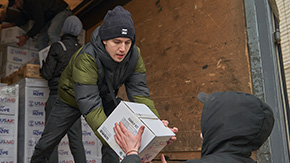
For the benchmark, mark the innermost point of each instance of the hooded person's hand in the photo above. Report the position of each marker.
(128, 142)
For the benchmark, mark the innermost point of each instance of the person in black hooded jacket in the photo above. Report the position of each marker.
(58, 57)
(233, 124)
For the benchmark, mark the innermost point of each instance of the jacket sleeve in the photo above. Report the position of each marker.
(50, 63)
(136, 88)
(87, 93)
(35, 9)
(131, 159)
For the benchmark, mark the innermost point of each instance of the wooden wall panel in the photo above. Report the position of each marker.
(188, 47)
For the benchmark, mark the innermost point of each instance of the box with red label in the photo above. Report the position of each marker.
(33, 95)
(9, 122)
(15, 55)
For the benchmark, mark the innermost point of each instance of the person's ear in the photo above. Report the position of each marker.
(104, 42)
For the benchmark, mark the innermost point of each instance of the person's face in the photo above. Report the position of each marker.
(118, 48)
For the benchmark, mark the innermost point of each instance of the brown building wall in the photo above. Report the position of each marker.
(188, 47)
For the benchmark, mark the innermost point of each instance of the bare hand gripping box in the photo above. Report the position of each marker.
(133, 116)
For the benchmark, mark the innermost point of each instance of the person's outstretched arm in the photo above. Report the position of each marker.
(130, 143)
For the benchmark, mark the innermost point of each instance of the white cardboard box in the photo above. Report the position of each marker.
(133, 116)
(17, 55)
(12, 58)
(33, 94)
(9, 102)
(42, 55)
(8, 35)
(82, 37)
(8, 68)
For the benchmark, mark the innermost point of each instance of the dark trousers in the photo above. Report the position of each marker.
(74, 136)
(109, 155)
(61, 119)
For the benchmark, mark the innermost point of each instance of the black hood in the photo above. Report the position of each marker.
(234, 122)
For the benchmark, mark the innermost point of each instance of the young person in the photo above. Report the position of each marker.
(57, 59)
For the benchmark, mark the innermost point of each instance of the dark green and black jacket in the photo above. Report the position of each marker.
(83, 84)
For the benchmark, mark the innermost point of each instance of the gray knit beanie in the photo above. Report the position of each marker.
(72, 25)
(117, 23)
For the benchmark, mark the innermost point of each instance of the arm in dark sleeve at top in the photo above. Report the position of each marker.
(131, 159)
(35, 9)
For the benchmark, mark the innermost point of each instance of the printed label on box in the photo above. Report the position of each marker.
(94, 159)
(35, 113)
(6, 109)
(7, 120)
(35, 92)
(35, 133)
(36, 123)
(10, 67)
(7, 142)
(7, 130)
(17, 55)
(8, 160)
(64, 152)
(8, 152)
(31, 142)
(65, 159)
(36, 103)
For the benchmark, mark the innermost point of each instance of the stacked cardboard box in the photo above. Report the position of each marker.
(8, 122)
(33, 95)
(28, 70)
(91, 143)
(12, 57)
(26, 129)
(9, 36)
